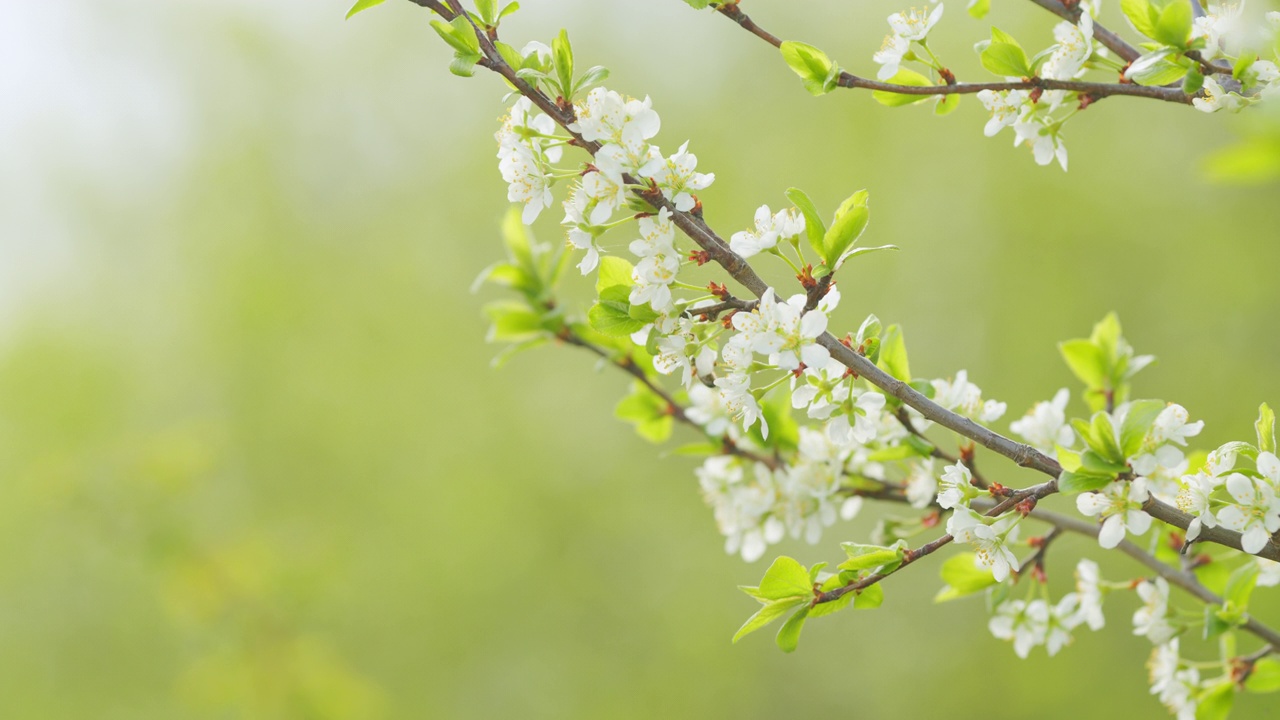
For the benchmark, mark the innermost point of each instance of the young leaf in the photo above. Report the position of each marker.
(893, 354)
(1174, 26)
(1005, 58)
(786, 578)
(1266, 427)
(849, 222)
(613, 271)
(978, 9)
(814, 228)
(1072, 483)
(813, 66)
(789, 635)
(362, 5)
(903, 77)
(869, 598)
(647, 411)
(1137, 423)
(766, 615)
(1265, 677)
(488, 11)
(1216, 702)
(562, 59)
(865, 557)
(1086, 361)
(1104, 438)
(963, 577)
(1142, 15)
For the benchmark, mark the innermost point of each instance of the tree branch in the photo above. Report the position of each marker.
(741, 271)
(1095, 90)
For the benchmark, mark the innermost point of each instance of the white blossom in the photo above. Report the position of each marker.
(1119, 506)
(1176, 687)
(956, 487)
(914, 24)
(1193, 499)
(1268, 572)
(677, 176)
(1217, 98)
(1152, 619)
(1005, 106)
(707, 408)
(1255, 513)
(1044, 139)
(769, 230)
(1026, 624)
(922, 483)
(965, 398)
(735, 393)
(990, 542)
(1090, 593)
(523, 156)
(1075, 45)
(1045, 425)
(890, 55)
(1171, 426)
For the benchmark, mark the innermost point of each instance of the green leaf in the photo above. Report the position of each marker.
(593, 76)
(786, 578)
(789, 634)
(613, 317)
(868, 250)
(865, 557)
(1086, 361)
(1000, 36)
(1193, 82)
(1174, 26)
(649, 413)
(488, 11)
(698, 4)
(1094, 464)
(893, 354)
(1266, 427)
(464, 64)
(1240, 586)
(978, 9)
(1155, 68)
(562, 61)
(766, 615)
(850, 221)
(510, 8)
(1216, 702)
(1265, 677)
(963, 577)
(903, 77)
(1142, 15)
(813, 66)
(1005, 59)
(613, 271)
(946, 105)
(869, 598)
(814, 228)
(1072, 483)
(459, 34)
(512, 322)
(1137, 423)
(1104, 438)
(362, 5)
(1214, 623)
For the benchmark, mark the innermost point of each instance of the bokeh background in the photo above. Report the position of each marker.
(254, 462)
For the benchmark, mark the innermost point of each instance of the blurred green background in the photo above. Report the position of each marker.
(254, 462)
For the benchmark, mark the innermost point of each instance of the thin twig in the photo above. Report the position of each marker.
(1095, 90)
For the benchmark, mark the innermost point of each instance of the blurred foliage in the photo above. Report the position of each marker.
(254, 462)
